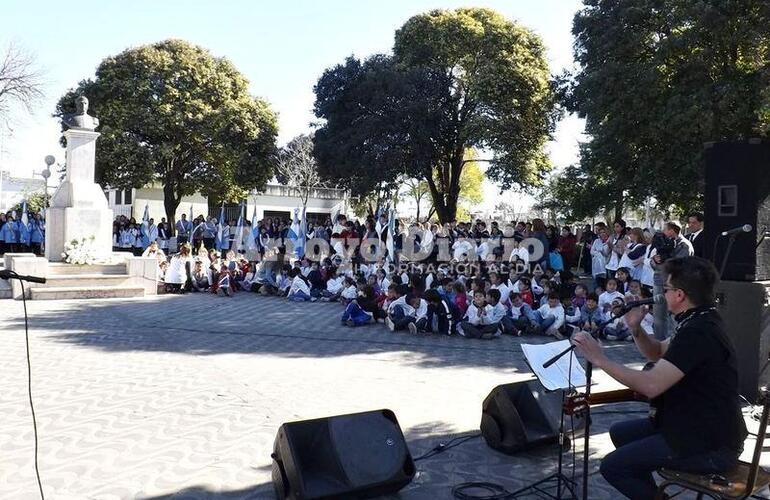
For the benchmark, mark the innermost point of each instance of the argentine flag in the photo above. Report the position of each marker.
(391, 234)
(24, 225)
(238, 241)
(251, 239)
(297, 234)
(219, 244)
(145, 229)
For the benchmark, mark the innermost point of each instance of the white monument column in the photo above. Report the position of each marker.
(79, 208)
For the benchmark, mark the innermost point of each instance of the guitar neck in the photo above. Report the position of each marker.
(616, 396)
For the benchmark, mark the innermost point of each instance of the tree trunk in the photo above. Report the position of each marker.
(618, 207)
(171, 202)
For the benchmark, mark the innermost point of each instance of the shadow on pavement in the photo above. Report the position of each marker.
(201, 324)
(471, 460)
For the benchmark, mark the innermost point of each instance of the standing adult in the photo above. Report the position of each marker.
(587, 238)
(695, 234)
(539, 233)
(209, 231)
(633, 257)
(678, 247)
(618, 243)
(183, 231)
(600, 252)
(164, 234)
(567, 244)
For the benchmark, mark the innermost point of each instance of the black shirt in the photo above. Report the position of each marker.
(701, 412)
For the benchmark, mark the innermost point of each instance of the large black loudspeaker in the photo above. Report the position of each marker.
(520, 416)
(360, 455)
(737, 193)
(745, 309)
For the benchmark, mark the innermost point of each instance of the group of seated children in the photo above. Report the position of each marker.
(476, 303)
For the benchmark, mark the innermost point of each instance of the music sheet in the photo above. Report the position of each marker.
(556, 376)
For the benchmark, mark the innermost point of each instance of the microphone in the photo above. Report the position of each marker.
(746, 228)
(7, 275)
(656, 300)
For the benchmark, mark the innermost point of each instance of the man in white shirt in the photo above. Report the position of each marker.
(695, 233)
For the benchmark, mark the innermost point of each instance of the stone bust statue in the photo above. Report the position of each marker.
(80, 119)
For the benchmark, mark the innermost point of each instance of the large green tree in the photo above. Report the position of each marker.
(171, 113)
(656, 80)
(467, 78)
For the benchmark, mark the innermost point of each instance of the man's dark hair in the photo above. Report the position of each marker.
(403, 290)
(697, 215)
(696, 276)
(674, 227)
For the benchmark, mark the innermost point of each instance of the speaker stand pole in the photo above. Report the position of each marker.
(562, 481)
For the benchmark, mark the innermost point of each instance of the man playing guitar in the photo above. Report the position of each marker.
(696, 423)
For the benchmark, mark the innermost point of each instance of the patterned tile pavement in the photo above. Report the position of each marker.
(180, 397)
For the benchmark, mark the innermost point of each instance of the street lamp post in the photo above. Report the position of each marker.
(46, 173)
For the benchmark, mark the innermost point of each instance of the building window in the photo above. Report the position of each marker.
(118, 197)
(127, 198)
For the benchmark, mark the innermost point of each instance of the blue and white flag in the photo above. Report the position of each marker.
(24, 225)
(391, 235)
(253, 236)
(238, 240)
(296, 235)
(219, 243)
(145, 228)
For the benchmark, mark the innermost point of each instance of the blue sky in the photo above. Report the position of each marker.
(281, 47)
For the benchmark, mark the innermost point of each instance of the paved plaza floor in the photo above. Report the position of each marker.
(181, 396)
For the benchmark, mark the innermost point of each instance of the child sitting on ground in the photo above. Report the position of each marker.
(222, 281)
(521, 313)
(591, 315)
(611, 294)
(400, 311)
(300, 288)
(549, 318)
(420, 322)
(355, 314)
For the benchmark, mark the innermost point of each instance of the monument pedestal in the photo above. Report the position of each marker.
(78, 208)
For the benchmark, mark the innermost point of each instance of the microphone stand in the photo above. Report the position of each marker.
(587, 430)
(727, 254)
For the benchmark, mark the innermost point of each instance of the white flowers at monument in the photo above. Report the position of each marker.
(83, 251)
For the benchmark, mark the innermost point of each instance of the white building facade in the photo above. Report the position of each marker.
(275, 201)
(14, 189)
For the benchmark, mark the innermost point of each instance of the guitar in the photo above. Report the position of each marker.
(575, 404)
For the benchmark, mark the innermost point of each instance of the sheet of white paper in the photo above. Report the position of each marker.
(556, 376)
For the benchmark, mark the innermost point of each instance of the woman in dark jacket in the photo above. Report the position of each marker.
(539, 233)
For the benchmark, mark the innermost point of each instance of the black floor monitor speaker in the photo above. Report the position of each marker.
(737, 192)
(359, 455)
(520, 416)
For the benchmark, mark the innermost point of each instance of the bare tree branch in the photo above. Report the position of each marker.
(21, 81)
(297, 167)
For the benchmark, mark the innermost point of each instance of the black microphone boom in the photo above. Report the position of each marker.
(657, 299)
(7, 275)
(746, 228)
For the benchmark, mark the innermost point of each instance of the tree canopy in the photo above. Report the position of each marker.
(174, 114)
(656, 80)
(467, 78)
